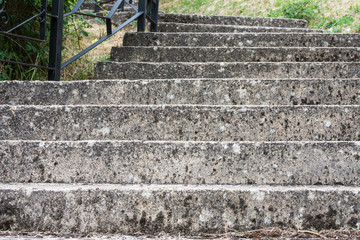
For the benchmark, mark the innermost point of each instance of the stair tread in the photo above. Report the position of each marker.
(183, 91)
(63, 187)
(234, 54)
(211, 19)
(180, 122)
(151, 70)
(270, 39)
(182, 162)
(186, 27)
(211, 207)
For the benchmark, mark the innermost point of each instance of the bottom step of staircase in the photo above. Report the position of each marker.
(175, 209)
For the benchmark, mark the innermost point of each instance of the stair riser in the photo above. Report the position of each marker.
(178, 27)
(230, 20)
(185, 54)
(174, 209)
(181, 163)
(198, 123)
(242, 40)
(115, 70)
(205, 92)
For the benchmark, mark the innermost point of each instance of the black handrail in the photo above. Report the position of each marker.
(147, 10)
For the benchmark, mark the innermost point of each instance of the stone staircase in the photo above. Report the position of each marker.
(213, 125)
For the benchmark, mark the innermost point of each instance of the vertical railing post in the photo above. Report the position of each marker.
(142, 19)
(96, 7)
(56, 34)
(43, 20)
(122, 6)
(154, 16)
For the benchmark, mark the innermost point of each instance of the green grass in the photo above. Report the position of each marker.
(330, 15)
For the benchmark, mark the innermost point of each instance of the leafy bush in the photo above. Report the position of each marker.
(355, 8)
(356, 28)
(298, 9)
(335, 24)
(20, 50)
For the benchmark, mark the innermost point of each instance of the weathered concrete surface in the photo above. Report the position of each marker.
(40, 236)
(175, 209)
(119, 18)
(140, 70)
(107, 6)
(184, 27)
(183, 91)
(136, 162)
(235, 54)
(231, 20)
(47, 236)
(242, 39)
(181, 122)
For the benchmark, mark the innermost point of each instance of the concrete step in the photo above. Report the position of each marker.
(175, 209)
(143, 70)
(107, 7)
(231, 20)
(180, 123)
(234, 54)
(242, 39)
(158, 162)
(187, 27)
(10, 235)
(183, 91)
(127, 12)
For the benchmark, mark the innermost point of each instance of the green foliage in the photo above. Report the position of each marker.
(355, 8)
(20, 50)
(74, 30)
(311, 11)
(335, 24)
(356, 28)
(298, 9)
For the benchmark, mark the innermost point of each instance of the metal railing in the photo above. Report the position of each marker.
(147, 10)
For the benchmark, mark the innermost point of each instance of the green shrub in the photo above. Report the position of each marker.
(355, 8)
(356, 28)
(20, 50)
(298, 9)
(335, 25)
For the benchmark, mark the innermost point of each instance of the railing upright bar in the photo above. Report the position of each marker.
(142, 19)
(122, 6)
(96, 7)
(56, 34)
(108, 26)
(154, 16)
(43, 20)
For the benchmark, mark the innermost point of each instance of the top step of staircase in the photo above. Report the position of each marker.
(231, 20)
